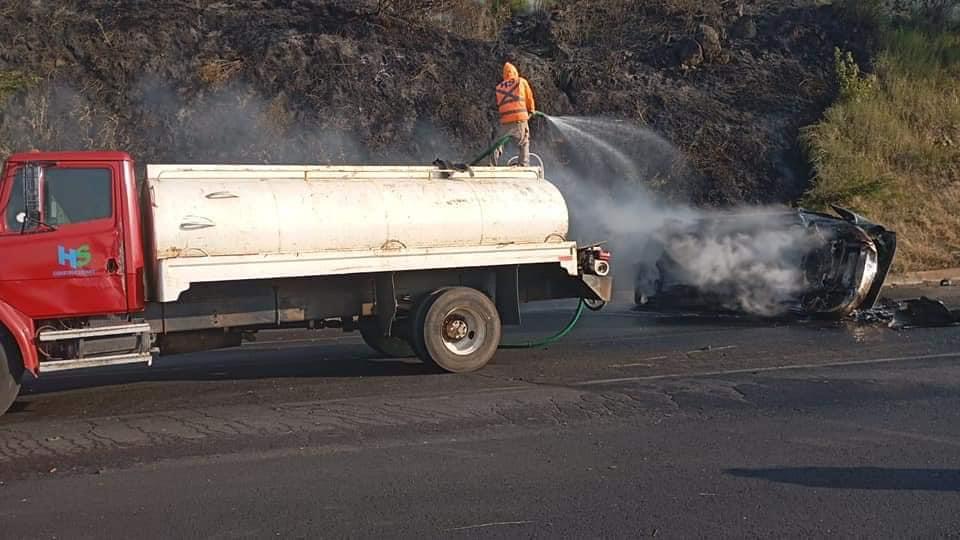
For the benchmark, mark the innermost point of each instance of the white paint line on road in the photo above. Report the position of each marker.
(711, 349)
(643, 363)
(496, 524)
(639, 364)
(771, 368)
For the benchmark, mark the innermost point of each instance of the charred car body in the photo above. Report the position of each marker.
(767, 263)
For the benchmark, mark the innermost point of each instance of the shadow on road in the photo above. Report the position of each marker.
(237, 364)
(873, 478)
(284, 354)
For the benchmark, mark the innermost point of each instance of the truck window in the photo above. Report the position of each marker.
(76, 195)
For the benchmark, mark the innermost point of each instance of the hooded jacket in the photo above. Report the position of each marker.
(514, 97)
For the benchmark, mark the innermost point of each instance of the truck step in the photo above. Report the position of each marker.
(80, 333)
(115, 360)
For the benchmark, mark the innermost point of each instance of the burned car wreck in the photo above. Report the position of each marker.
(765, 263)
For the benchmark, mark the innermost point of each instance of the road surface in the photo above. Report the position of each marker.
(635, 425)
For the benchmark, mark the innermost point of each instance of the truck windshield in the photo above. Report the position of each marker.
(70, 195)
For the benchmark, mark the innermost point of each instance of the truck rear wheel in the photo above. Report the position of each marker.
(11, 371)
(391, 346)
(457, 330)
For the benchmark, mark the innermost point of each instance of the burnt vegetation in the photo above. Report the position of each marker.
(729, 82)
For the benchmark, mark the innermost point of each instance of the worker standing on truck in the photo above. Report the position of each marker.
(515, 103)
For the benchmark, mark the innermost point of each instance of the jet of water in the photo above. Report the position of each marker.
(585, 130)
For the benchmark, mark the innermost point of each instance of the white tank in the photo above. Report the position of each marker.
(217, 210)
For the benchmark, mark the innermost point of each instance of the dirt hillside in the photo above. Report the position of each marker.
(729, 82)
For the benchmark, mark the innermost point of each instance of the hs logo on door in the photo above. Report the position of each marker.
(74, 258)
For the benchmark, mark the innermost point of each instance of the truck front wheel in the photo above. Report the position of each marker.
(11, 371)
(457, 330)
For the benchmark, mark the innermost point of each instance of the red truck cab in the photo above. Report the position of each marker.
(70, 241)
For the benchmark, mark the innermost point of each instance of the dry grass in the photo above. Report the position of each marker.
(471, 19)
(467, 18)
(891, 150)
(589, 23)
(219, 71)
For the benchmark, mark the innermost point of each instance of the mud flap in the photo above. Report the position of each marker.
(386, 301)
(596, 287)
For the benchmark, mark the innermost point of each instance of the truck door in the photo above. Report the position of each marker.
(68, 261)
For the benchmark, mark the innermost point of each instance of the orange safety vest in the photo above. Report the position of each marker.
(512, 101)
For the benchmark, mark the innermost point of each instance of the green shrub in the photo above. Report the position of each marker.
(924, 52)
(854, 85)
(14, 81)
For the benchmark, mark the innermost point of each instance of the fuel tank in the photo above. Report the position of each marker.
(219, 210)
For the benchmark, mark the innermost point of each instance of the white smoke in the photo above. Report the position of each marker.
(754, 267)
(745, 257)
(235, 123)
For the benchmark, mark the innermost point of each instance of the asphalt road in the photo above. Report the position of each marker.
(635, 425)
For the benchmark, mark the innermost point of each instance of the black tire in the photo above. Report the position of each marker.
(392, 346)
(595, 305)
(457, 330)
(415, 331)
(11, 371)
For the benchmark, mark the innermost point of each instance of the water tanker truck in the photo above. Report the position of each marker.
(101, 269)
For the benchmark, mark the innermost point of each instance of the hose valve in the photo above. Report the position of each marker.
(596, 261)
(601, 268)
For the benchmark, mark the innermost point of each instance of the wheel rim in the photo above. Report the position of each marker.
(463, 331)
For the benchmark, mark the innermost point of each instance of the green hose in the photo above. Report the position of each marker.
(552, 339)
(500, 142)
(493, 148)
